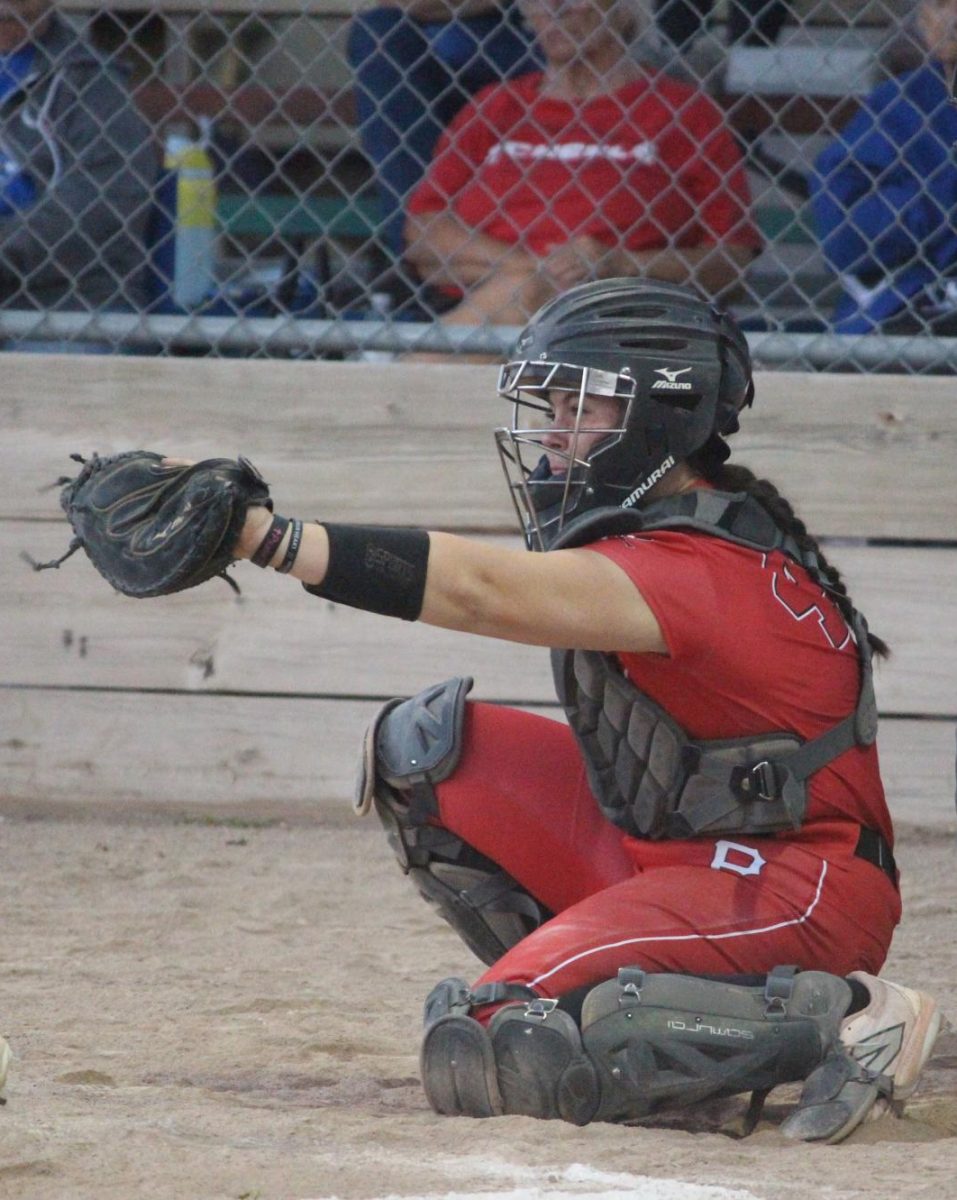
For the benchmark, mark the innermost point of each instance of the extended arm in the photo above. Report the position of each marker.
(566, 598)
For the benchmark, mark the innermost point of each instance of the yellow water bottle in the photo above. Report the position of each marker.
(194, 266)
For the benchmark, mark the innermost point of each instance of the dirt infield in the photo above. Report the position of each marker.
(232, 1010)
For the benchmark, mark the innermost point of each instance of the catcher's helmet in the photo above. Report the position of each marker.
(679, 365)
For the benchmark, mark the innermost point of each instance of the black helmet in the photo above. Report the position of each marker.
(679, 365)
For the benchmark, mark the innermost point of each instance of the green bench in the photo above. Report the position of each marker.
(297, 217)
(357, 217)
(783, 225)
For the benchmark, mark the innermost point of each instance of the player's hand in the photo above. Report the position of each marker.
(255, 526)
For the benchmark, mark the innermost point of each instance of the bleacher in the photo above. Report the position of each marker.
(287, 96)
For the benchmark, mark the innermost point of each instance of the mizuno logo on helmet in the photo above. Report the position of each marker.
(671, 383)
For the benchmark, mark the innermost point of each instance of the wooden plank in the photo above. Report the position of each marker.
(347, 441)
(259, 757)
(909, 596)
(859, 455)
(188, 753)
(72, 630)
(253, 757)
(917, 765)
(257, 107)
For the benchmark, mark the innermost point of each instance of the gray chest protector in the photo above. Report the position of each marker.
(649, 777)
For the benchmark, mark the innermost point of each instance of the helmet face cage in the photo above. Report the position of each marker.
(544, 498)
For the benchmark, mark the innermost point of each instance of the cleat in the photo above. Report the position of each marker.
(894, 1035)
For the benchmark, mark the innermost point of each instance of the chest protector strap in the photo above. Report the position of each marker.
(649, 777)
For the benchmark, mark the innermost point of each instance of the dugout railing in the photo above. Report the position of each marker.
(337, 339)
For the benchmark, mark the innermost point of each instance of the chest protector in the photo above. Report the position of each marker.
(649, 777)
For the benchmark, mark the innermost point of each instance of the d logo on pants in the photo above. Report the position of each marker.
(732, 856)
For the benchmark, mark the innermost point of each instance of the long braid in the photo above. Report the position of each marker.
(729, 478)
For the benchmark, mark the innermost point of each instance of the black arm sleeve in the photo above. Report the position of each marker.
(377, 568)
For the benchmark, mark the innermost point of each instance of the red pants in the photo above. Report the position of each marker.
(703, 906)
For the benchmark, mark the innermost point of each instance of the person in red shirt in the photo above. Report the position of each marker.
(689, 888)
(591, 168)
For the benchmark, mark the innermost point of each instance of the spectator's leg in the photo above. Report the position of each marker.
(508, 297)
(398, 80)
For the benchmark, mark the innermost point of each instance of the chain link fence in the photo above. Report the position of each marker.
(231, 177)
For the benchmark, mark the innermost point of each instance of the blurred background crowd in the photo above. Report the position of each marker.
(213, 176)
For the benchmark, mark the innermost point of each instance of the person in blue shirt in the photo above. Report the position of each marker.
(884, 193)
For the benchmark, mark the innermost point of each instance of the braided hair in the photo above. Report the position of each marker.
(727, 478)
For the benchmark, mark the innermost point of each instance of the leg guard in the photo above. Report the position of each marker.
(543, 1070)
(410, 746)
(649, 1042)
(674, 1040)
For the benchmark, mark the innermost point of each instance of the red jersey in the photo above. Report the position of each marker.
(648, 166)
(754, 646)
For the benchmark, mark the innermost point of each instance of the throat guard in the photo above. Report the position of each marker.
(649, 777)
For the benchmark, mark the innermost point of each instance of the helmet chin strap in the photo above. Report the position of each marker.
(650, 481)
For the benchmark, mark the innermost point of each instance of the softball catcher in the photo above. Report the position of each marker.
(689, 889)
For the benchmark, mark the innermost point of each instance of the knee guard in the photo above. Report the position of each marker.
(410, 746)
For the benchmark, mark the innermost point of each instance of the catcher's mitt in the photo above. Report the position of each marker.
(151, 529)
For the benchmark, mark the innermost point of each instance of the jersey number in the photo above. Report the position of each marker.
(793, 596)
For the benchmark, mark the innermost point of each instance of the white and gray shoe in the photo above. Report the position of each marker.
(894, 1035)
(882, 1050)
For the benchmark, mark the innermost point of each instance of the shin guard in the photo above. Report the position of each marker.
(672, 1040)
